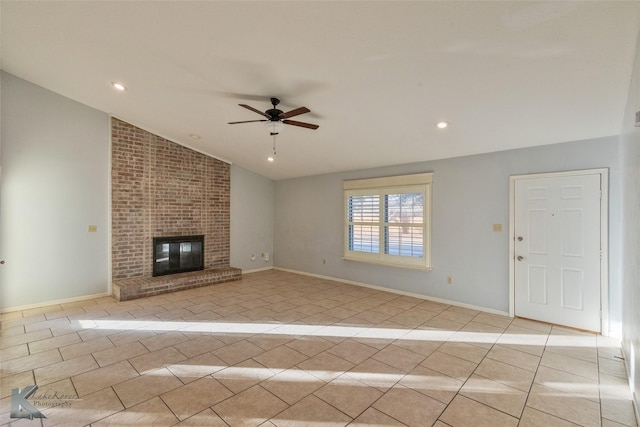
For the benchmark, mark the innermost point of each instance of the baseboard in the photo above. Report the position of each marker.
(634, 396)
(54, 302)
(396, 291)
(634, 402)
(256, 270)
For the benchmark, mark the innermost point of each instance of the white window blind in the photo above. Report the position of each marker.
(387, 220)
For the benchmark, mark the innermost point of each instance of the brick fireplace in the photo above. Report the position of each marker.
(160, 188)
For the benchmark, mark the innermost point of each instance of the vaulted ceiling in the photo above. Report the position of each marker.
(377, 76)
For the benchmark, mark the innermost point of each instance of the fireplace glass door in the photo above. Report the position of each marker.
(177, 254)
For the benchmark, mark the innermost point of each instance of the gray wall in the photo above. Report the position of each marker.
(470, 194)
(630, 161)
(251, 219)
(54, 184)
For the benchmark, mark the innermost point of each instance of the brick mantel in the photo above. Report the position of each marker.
(160, 188)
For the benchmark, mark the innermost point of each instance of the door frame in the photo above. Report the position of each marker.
(604, 237)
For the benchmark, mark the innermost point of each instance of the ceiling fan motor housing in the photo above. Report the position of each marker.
(274, 114)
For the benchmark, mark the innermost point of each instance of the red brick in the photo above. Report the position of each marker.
(160, 188)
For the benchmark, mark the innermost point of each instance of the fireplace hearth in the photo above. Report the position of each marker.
(177, 254)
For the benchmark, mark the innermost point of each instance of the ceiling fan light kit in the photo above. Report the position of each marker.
(274, 128)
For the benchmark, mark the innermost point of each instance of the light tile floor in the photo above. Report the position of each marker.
(280, 349)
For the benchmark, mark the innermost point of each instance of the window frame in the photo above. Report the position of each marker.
(403, 184)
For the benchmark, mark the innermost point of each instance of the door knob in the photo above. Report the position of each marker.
(2, 262)
(520, 258)
(520, 238)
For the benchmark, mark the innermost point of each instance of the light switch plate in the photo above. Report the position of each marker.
(497, 228)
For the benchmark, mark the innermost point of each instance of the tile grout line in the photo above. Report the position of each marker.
(533, 380)
(470, 375)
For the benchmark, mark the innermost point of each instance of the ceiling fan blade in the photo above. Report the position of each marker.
(254, 110)
(301, 124)
(248, 121)
(295, 112)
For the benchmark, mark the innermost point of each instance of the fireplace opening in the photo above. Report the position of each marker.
(177, 254)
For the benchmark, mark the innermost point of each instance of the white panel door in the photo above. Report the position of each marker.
(557, 250)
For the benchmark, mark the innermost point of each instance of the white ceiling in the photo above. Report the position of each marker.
(377, 76)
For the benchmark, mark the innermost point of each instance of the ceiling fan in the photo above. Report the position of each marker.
(276, 119)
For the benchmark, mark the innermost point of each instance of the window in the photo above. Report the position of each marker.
(388, 220)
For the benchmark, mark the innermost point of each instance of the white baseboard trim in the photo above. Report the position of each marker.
(396, 291)
(634, 395)
(54, 302)
(256, 270)
(634, 402)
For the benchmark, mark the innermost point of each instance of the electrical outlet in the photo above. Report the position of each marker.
(497, 228)
(253, 258)
(93, 228)
(449, 280)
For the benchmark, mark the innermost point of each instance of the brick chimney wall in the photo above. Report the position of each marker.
(160, 188)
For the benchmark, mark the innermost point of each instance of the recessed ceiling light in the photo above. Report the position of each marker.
(442, 125)
(270, 159)
(195, 136)
(119, 86)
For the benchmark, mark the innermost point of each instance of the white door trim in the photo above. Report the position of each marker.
(604, 238)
